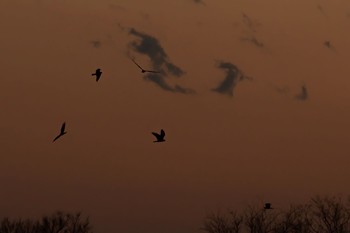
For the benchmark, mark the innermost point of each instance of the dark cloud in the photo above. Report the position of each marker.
(251, 24)
(150, 46)
(233, 77)
(96, 43)
(303, 95)
(160, 81)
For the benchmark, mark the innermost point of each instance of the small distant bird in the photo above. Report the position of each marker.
(303, 95)
(62, 132)
(98, 74)
(143, 70)
(160, 137)
(328, 44)
(268, 206)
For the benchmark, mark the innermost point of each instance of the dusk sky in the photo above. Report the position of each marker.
(254, 97)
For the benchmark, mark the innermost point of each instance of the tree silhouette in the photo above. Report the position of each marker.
(295, 220)
(259, 220)
(58, 222)
(331, 215)
(220, 223)
(320, 215)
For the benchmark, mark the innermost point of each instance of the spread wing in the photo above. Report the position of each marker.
(156, 135)
(57, 138)
(152, 71)
(137, 64)
(63, 127)
(162, 133)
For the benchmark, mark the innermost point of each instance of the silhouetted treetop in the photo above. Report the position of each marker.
(320, 215)
(58, 222)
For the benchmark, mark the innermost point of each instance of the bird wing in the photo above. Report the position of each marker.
(152, 71)
(57, 137)
(63, 127)
(156, 135)
(162, 133)
(137, 64)
(98, 78)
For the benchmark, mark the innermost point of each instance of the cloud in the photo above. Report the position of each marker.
(254, 41)
(250, 34)
(303, 95)
(252, 25)
(160, 81)
(233, 77)
(150, 46)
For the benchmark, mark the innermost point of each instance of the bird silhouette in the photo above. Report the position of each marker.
(327, 44)
(98, 74)
(62, 132)
(268, 206)
(143, 70)
(160, 137)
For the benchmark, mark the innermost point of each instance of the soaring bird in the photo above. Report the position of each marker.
(143, 70)
(98, 74)
(62, 132)
(268, 206)
(160, 137)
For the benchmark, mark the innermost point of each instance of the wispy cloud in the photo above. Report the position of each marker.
(254, 41)
(233, 77)
(150, 46)
(251, 24)
(251, 30)
(303, 95)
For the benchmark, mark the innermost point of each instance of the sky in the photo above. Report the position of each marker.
(253, 96)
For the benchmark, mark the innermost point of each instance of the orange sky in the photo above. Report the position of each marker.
(259, 145)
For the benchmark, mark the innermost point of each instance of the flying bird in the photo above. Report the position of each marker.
(268, 206)
(62, 132)
(327, 44)
(98, 74)
(160, 137)
(143, 70)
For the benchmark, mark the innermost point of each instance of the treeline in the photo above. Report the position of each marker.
(56, 223)
(319, 215)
